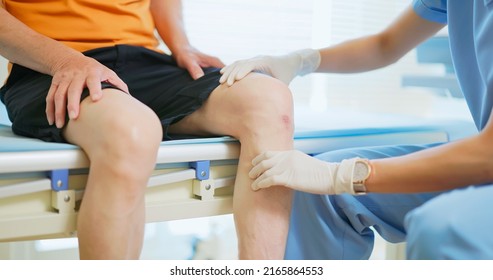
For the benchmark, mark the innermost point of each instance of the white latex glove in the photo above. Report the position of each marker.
(299, 171)
(284, 67)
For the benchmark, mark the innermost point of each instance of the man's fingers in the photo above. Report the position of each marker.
(195, 70)
(93, 84)
(117, 82)
(74, 93)
(212, 61)
(50, 105)
(60, 101)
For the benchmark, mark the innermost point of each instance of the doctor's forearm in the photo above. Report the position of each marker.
(453, 165)
(381, 49)
(358, 55)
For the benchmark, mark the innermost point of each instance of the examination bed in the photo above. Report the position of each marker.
(42, 184)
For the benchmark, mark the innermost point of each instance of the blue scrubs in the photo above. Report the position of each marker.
(450, 225)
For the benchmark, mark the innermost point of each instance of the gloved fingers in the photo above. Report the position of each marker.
(263, 156)
(266, 180)
(232, 78)
(244, 70)
(265, 161)
(230, 72)
(226, 71)
(261, 168)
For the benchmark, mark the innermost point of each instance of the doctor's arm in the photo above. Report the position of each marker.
(452, 165)
(381, 49)
(449, 166)
(357, 55)
(168, 18)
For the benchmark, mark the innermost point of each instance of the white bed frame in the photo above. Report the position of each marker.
(40, 189)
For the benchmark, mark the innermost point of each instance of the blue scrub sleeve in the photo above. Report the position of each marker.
(432, 10)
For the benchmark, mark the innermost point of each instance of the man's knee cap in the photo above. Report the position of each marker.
(138, 133)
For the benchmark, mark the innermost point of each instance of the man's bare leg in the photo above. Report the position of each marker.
(121, 137)
(258, 111)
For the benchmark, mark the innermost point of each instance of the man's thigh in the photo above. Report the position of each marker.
(115, 118)
(229, 108)
(156, 80)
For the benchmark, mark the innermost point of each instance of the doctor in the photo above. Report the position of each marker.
(438, 198)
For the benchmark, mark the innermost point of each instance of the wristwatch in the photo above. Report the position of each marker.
(362, 170)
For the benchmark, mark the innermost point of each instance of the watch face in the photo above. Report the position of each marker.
(361, 171)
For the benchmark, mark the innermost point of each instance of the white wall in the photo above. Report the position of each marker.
(244, 28)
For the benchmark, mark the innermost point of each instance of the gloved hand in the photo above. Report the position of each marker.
(299, 171)
(284, 67)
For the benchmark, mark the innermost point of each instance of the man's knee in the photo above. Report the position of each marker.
(267, 102)
(134, 138)
(127, 145)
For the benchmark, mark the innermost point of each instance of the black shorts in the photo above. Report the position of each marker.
(152, 77)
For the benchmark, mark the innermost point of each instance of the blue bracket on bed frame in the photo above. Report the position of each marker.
(59, 179)
(202, 169)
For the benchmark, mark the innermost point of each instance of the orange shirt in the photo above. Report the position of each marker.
(88, 24)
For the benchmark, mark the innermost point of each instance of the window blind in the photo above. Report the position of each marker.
(238, 29)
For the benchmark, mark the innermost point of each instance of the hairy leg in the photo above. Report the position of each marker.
(258, 111)
(121, 137)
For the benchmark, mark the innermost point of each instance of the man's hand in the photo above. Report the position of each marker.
(70, 78)
(296, 170)
(194, 60)
(284, 67)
